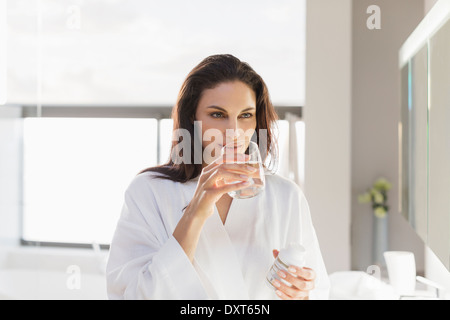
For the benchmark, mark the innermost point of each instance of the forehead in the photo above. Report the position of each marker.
(234, 94)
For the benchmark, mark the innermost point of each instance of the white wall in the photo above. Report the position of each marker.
(375, 116)
(328, 126)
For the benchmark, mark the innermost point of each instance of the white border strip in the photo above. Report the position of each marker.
(434, 20)
(3, 52)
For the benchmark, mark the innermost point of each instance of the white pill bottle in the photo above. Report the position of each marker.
(293, 255)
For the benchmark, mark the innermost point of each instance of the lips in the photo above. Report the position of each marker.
(234, 147)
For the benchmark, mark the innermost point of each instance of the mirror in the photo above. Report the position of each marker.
(413, 141)
(404, 145)
(439, 145)
(418, 115)
(424, 137)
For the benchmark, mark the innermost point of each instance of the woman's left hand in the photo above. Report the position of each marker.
(301, 279)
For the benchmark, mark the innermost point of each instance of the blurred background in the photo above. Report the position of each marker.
(86, 93)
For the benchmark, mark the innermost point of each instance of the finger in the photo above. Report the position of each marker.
(289, 293)
(297, 282)
(232, 187)
(230, 158)
(228, 163)
(232, 177)
(282, 295)
(236, 159)
(218, 191)
(238, 167)
(216, 179)
(305, 273)
(213, 164)
(236, 172)
(275, 253)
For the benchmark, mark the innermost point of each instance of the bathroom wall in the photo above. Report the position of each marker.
(429, 4)
(351, 116)
(327, 116)
(375, 115)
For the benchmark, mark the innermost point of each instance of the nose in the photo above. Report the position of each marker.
(233, 132)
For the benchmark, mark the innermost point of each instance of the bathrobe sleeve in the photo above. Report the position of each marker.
(301, 230)
(145, 260)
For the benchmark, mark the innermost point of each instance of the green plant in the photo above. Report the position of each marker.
(377, 196)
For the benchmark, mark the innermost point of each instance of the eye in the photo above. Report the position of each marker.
(216, 115)
(247, 115)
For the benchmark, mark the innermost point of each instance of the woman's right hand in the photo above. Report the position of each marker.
(211, 186)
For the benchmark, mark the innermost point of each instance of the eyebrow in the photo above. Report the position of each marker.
(222, 109)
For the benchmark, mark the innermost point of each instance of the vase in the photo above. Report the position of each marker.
(380, 240)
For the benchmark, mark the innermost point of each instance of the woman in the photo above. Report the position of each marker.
(181, 236)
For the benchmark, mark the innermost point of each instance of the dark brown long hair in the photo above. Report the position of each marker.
(208, 74)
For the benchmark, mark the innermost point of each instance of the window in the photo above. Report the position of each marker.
(165, 137)
(3, 49)
(75, 173)
(291, 144)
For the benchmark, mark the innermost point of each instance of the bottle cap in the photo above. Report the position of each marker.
(293, 255)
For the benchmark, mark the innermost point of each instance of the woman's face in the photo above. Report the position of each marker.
(227, 114)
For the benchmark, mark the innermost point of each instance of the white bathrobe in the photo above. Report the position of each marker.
(231, 259)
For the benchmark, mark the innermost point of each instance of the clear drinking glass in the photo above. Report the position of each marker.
(257, 179)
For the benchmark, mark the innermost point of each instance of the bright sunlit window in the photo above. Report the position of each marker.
(76, 171)
(165, 139)
(75, 174)
(3, 50)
